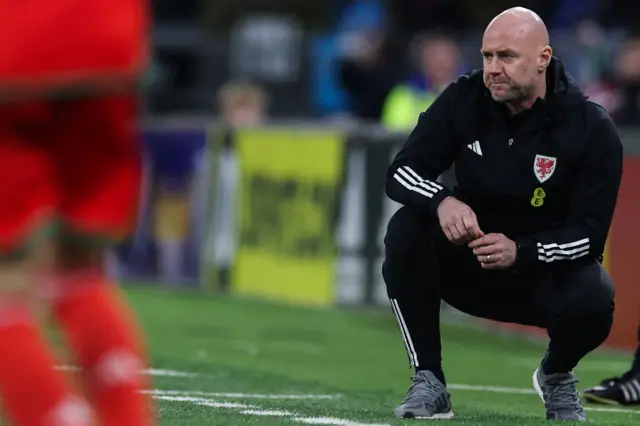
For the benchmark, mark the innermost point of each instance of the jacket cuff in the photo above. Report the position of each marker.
(526, 253)
(438, 198)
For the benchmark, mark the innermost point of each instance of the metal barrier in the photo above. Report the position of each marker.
(297, 213)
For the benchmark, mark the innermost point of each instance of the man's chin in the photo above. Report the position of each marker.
(501, 98)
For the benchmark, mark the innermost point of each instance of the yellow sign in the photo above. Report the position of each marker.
(538, 197)
(289, 197)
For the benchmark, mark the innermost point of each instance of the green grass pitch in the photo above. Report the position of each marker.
(224, 361)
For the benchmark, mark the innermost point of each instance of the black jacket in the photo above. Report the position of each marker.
(547, 178)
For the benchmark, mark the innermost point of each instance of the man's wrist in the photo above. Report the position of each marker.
(448, 197)
(440, 198)
(526, 252)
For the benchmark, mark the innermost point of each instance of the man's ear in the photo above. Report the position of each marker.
(544, 59)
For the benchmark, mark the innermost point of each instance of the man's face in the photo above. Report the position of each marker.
(439, 61)
(510, 65)
(245, 115)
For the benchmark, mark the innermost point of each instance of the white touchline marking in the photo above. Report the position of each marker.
(169, 373)
(202, 401)
(612, 410)
(491, 389)
(331, 421)
(239, 395)
(462, 387)
(267, 413)
(255, 410)
(585, 365)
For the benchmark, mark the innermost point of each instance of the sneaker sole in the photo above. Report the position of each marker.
(437, 416)
(594, 399)
(599, 400)
(536, 385)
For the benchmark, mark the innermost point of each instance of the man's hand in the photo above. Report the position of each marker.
(494, 251)
(458, 221)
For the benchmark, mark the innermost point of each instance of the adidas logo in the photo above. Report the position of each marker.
(475, 147)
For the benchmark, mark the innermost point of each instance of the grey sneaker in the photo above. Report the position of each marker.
(560, 396)
(427, 398)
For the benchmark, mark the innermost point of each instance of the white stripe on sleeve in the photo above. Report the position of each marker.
(567, 251)
(413, 182)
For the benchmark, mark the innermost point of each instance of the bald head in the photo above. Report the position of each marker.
(520, 23)
(516, 53)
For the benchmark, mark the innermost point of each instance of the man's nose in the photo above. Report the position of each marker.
(494, 68)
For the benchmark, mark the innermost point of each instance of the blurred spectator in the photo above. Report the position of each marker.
(352, 19)
(367, 72)
(439, 62)
(592, 55)
(626, 111)
(591, 63)
(242, 103)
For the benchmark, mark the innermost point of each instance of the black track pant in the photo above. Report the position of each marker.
(573, 301)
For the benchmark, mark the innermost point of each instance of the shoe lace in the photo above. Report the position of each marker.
(563, 394)
(423, 387)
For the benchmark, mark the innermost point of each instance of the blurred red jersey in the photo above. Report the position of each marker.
(54, 44)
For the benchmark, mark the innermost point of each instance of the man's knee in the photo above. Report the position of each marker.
(408, 233)
(409, 253)
(592, 293)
